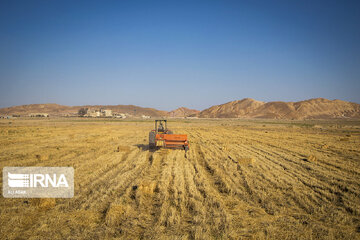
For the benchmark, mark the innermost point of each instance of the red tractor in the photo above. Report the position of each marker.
(161, 136)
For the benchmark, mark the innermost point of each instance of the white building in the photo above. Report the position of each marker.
(106, 112)
(38, 115)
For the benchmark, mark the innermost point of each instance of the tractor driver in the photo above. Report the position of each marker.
(161, 127)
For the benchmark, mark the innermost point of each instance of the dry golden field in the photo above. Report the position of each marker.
(240, 180)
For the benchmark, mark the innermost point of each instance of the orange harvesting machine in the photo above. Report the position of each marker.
(161, 136)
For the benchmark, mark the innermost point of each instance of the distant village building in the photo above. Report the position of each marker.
(120, 115)
(106, 112)
(145, 117)
(92, 113)
(38, 115)
(98, 112)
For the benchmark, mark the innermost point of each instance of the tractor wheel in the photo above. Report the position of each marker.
(152, 142)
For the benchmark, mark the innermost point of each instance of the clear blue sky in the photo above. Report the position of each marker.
(167, 54)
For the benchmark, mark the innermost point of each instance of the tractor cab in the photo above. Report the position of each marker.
(160, 126)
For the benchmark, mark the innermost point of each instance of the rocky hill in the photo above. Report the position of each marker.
(131, 110)
(317, 108)
(183, 112)
(50, 108)
(234, 109)
(61, 110)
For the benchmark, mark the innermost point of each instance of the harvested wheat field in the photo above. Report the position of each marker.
(239, 180)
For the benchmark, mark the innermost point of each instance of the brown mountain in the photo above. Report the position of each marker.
(50, 108)
(130, 109)
(318, 108)
(234, 109)
(183, 112)
(61, 110)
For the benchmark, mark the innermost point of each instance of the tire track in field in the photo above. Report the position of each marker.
(251, 189)
(166, 186)
(316, 172)
(336, 188)
(339, 167)
(264, 181)
(109, 172)
(322, 190)
(214, 192)
(145, 196)
(324, 168)
(246, 184)
(119, 182)
(225, 180)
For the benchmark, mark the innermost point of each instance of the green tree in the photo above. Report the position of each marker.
(82, 111)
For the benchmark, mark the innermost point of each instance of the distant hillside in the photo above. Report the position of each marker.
(234, 109)
(50, 108)
(183, 112)
(60, 110)
(130, 109)
(317, 108)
